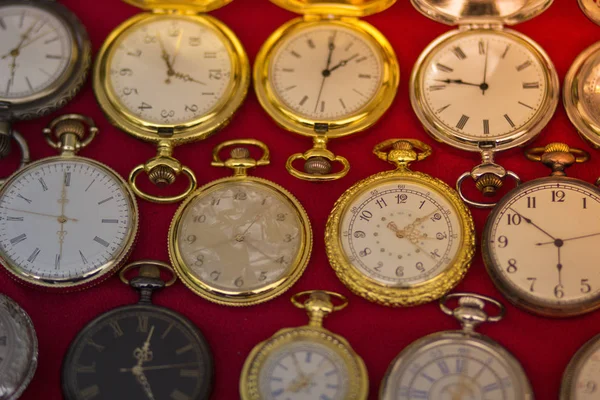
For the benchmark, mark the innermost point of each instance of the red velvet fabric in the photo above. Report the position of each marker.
(378, 334)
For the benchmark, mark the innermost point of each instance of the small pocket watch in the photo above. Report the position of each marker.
(45, 54)
(484, 88)
(581, 379)
(66, 222)
(400, 238)
(539, 241)
(240, 240)
(308, 362)
(18, 349)
(326, 75)
(139, 352)
(580, 96)
(171, 76)
(459, 364)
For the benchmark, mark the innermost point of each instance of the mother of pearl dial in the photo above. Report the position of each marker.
(542, 242)
(63, 220)
(483, 85)
(585, 383)
(240, 236)
(590, 90)
(401, 235)
(443, 370)
(304, 370)
(326, 72)
(35, 50)
(170, 70)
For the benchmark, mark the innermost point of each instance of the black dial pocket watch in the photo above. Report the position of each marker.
(139, 352)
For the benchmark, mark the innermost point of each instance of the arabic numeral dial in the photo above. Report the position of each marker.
(547, 260)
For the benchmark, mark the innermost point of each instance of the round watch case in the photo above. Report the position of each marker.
(18, 365)
(571, 384)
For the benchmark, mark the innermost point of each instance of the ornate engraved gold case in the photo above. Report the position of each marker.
(400, 238)
(539, 241)
(309, 359)
(337, 48)
(580, 380)
(66, 222)
(47, 35)
(514, 100)
(241, 240)
(195, 97)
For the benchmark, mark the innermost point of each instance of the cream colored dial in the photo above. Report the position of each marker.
(170, 70)
(240, 236)
(401, 234)
(304, 370)
(540, 243)
(483, 85)
(326, 72)
(35, 51)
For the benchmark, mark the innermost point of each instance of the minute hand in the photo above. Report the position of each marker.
(458, 82)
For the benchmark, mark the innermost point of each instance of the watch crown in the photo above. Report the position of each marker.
(69, 126)
(488, 184)
(557, 147)
(239, 153)
(162, 175)
(317, 166)
(402, 145)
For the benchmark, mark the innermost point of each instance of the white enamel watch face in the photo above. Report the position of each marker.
(240, 236)
(326, 72)
(35, 51)
(454, 369)
(304, 370)
(169, 70)
(539, 246)
(482, 86)
(401, 234)
(584, 373)
(64, 220)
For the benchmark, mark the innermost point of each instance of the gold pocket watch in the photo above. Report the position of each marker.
(66, 222)
(580, 95)
(483, 88)
(400, 238)
(240, 240)
(326, 75)
(459, 364)
(580, 381)
(171, 76)
(45, 54)
(539, 241)
(308, 362)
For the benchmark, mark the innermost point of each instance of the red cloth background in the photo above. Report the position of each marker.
(377, 333)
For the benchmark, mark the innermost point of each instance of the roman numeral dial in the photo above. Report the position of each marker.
(326, 72)
(500, 91)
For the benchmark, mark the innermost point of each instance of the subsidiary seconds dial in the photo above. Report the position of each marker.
(539, 246)
(65, 221)
(401, 235)
(326, 72)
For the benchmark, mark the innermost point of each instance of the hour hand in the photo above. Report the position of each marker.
(458, 82)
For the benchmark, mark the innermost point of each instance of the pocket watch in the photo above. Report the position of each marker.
(66, 222)
(400, 238)
(326, 75)
(18, 349)
(580, 381)
(461, 364)
(484, 88)
(170, 76)
(45, 54)
(240, 240)
(591, 9)
(139, 352)
(539, 241)
(308, 362)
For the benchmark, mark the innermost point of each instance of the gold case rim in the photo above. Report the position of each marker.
(255, 296)
(363, 118)
(101, 273)
(257, 357)
(389, 295)
(329, 7)
(520, 138)
(197, 6)
(505, 287)
(197, 129)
